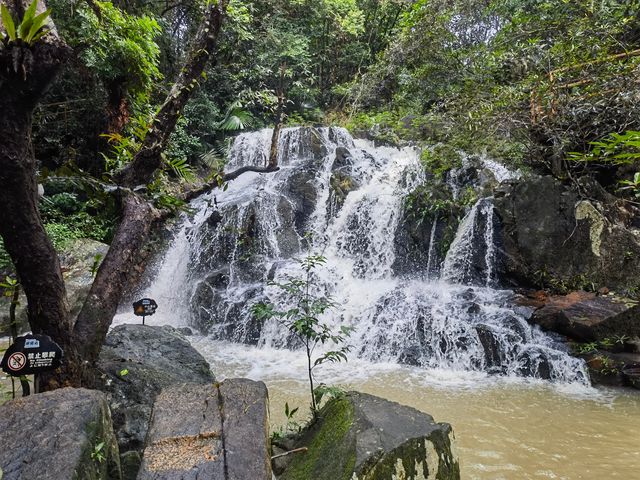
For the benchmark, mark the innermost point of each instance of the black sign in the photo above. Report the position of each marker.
(145, 307)
(31, 354)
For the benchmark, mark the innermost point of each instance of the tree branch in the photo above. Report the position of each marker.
(227, 177)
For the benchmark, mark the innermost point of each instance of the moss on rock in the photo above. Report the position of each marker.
(331, 445)
(362, 437)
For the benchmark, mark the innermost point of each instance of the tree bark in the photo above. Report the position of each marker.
(275, 137)
(94, 319)
(117, 106)
(25, 74)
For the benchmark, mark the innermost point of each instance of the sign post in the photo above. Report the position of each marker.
(31, 354)
(144, 307)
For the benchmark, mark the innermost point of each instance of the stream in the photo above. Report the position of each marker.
(440, 334)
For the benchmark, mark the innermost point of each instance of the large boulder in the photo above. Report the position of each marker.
(211, 431)
(585, 317)
(78, 260)
(136, 363)
(65, 434)
(362, 437)
(552, 234)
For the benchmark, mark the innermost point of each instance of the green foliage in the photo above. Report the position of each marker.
(125, 146)
(327, 392)
(632, 186)
(563, 285)
(615, 149)
(98, 453)
(303, 319)
(440, 159)
(67, 217)
(9, 284)
(60, 234)
(31, 28)
(6, 264)
(121, 47)
(522, 81)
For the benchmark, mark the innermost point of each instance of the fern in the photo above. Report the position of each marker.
(181, 168)
(235, 119)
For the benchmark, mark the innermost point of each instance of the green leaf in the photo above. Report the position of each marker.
(37, 31)
(27, 20)
(124, 372)
(10, 27)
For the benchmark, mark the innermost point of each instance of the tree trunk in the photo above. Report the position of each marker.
(117, 106)
(25, 74)
(113, 276)
(275, 138)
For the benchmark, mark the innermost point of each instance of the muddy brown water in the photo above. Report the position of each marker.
(509, 428)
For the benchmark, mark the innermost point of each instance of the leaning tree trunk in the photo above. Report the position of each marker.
(25, 73)
(138, 216)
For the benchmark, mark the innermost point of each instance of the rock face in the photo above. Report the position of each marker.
(77, 261)
(586, 317)
(417, 245)
(552, 234)
(137, 362)
(368, 438)
(57, 436)
(216, 432)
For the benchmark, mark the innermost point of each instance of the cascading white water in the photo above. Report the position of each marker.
(475, 237)
(344, 199)
(432, 248)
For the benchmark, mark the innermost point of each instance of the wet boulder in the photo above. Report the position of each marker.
(341, 184)
(136, 363)
(225, 314)
(342, 158)
(302, 143)
(300, 191)
(58, 435)
(214, 431)
(586, 317)
(78, 261)
(360, 436)
(551, 234)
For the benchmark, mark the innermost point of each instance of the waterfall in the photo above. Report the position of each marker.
(471, 258)
(432, 247)
(344, 199)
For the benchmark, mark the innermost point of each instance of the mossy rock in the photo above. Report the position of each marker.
(363, 437)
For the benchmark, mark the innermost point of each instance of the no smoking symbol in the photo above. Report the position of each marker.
(16, 361)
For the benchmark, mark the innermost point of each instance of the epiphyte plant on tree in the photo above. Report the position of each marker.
(303, 319)
(29, 30)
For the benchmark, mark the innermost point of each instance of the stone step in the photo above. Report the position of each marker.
(213, 432)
